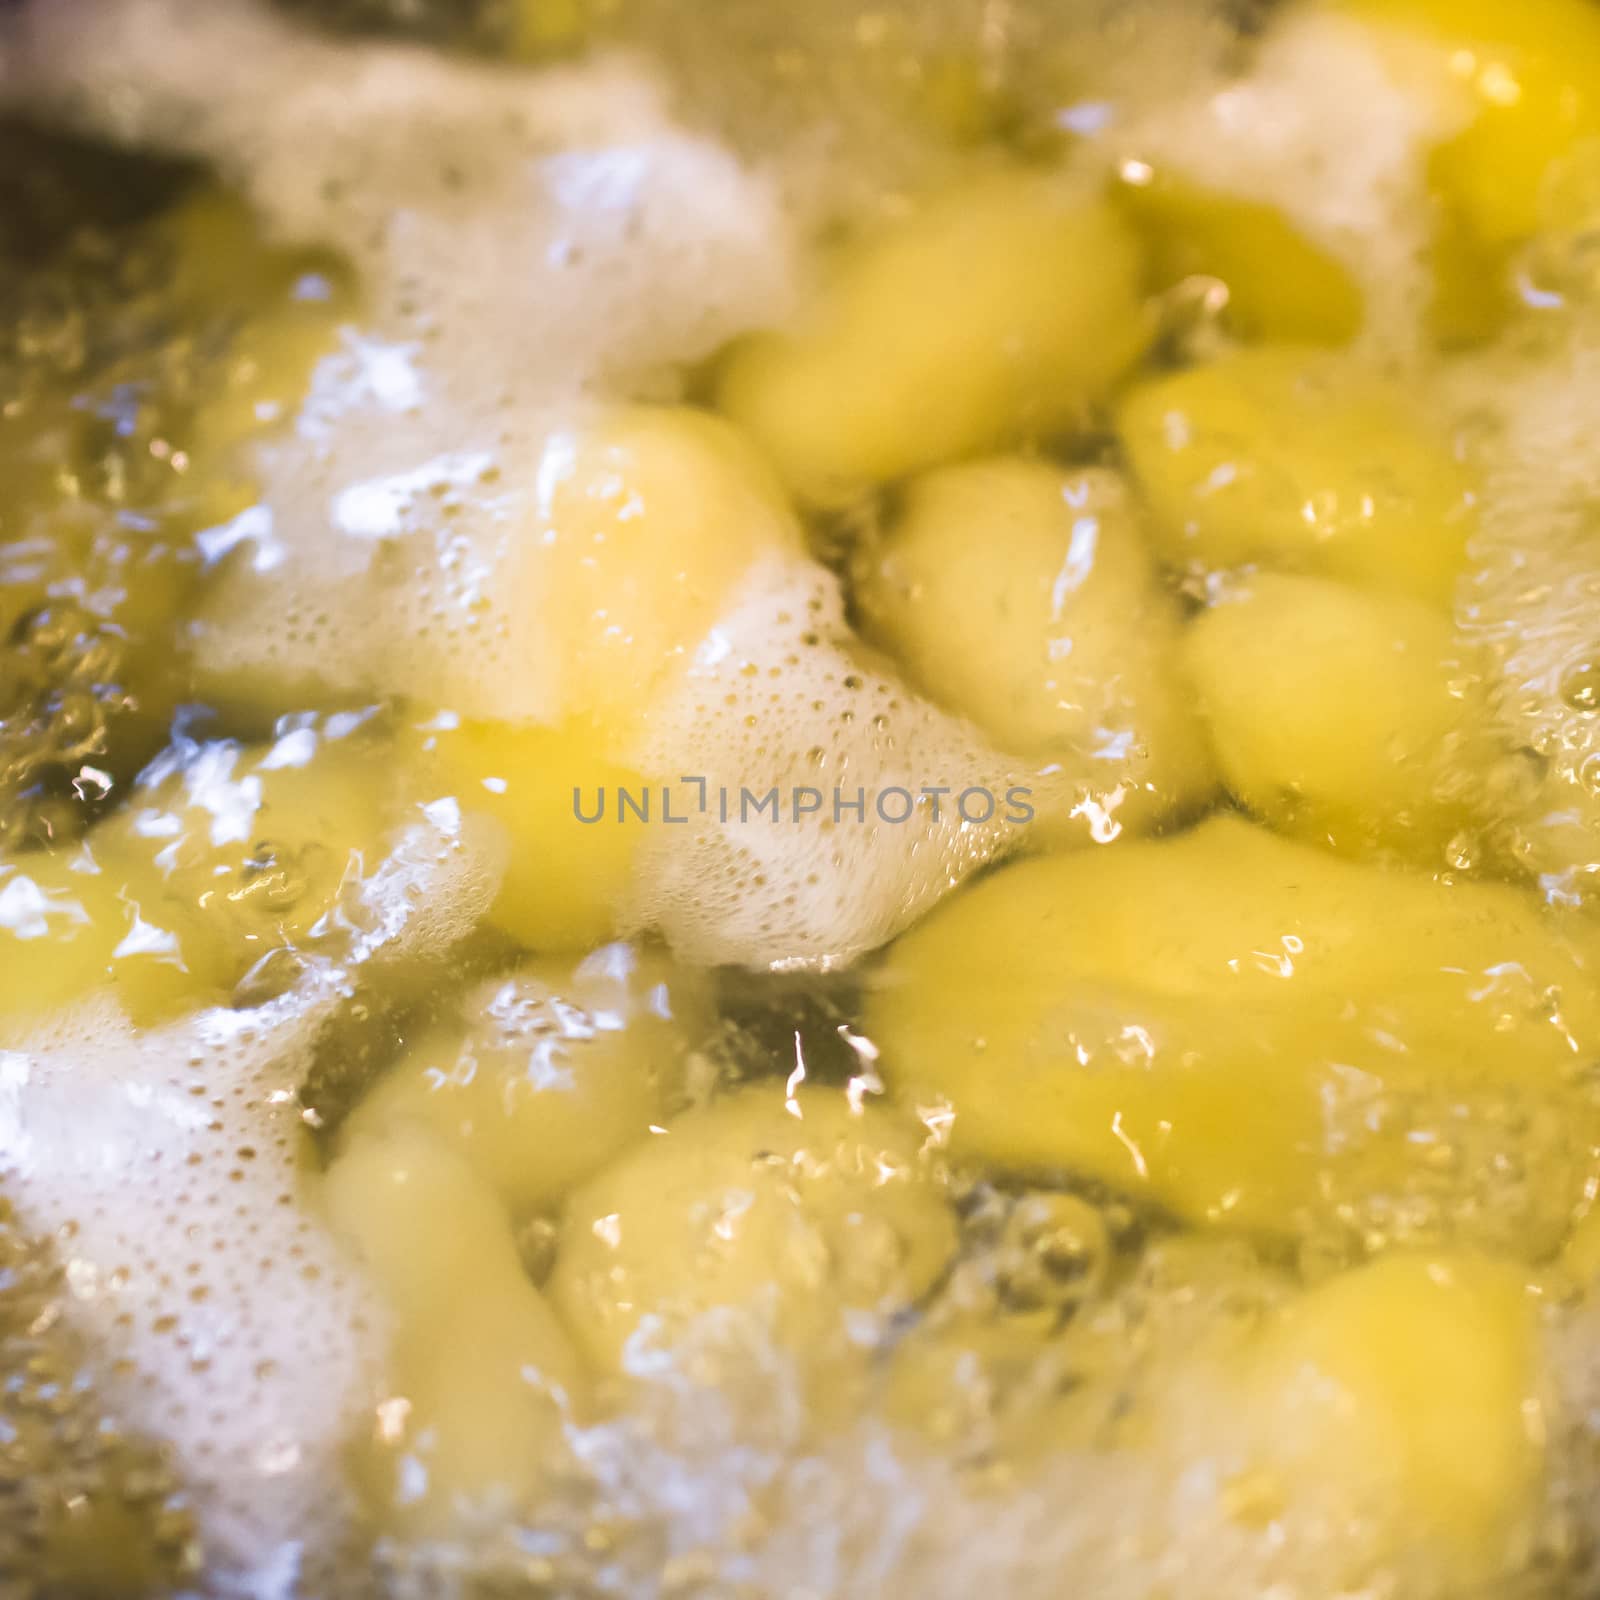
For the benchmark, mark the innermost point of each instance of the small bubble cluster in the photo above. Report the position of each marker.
(81, 1500)
(93, 545)
(1433, 1167)
(58, 705)
(166, 1166)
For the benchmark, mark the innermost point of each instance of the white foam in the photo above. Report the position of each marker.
(411, 473)
(164, 1166)
(781, 698)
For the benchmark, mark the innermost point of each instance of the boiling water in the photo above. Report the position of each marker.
(320, 309)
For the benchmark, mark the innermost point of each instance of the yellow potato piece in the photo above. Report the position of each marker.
(70, 928)
(818, 1222)
(1024, 597)
(613, 545)
(1280, 285)
(252, 844)
(224, 854)
(647, 520)
(1407, 1392)
(550, 1073)
(565, 876)
(999, 311)
(482, 1374)
(1252, 1031)
(1296, 460)
(1528, 78)
(1340, 716)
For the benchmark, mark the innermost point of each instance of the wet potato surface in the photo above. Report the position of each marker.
(799, 802)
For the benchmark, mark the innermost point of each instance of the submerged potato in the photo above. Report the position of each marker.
(565, 877)
(814, 1218)
(1280, 285)
(550, 1073)
(1294, 460)
(1342, 717)
(1408, 1392)
(1247, 1030)
(481, 1371)
(1390, 1418)
(224, 855)
(69, 929)
(997, 312)
(645, 522)
(1024, 597)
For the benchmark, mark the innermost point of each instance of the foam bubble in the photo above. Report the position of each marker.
(411, 473)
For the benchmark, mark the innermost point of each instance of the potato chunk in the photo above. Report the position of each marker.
(1248, 1030)
(565, 876)
(814, 1218)
(1407, 1391)
(1024, 597)
(482, 1373)
(549, 1074)
(645, 520)
(1280, 285)
(997, 312)
(1298, 461)
(67, 930)
(1340, 716)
